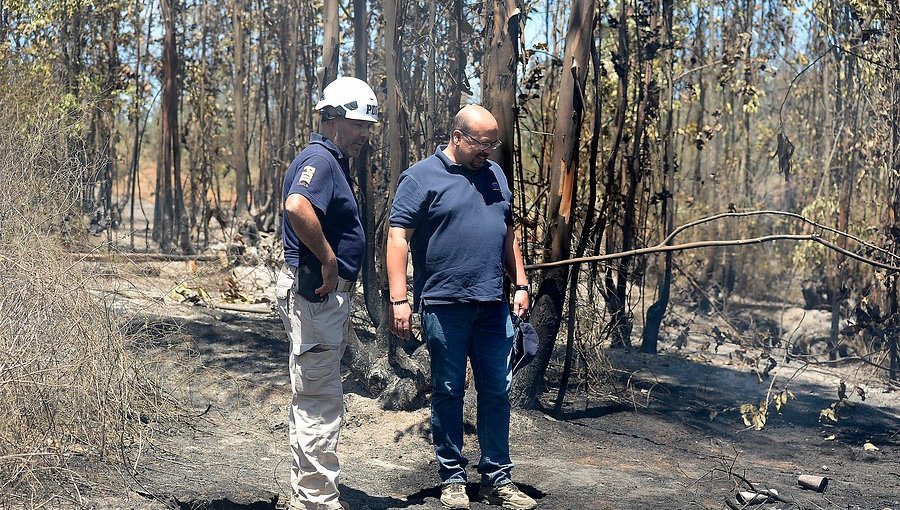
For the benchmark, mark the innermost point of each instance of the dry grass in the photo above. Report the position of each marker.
(70, 386)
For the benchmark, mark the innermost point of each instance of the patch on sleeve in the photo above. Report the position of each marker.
(306, 175)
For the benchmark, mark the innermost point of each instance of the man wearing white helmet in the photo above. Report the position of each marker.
(323, 250)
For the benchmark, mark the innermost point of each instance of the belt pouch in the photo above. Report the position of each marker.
(309, 278)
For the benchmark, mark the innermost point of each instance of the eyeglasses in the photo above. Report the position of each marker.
(479, 144)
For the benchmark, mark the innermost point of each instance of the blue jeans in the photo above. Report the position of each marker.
(482, 332)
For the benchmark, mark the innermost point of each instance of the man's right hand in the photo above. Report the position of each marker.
(329, 277)
(400, 324)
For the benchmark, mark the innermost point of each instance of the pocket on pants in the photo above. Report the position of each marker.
(283, 284)
(325, 322)
(318, 371)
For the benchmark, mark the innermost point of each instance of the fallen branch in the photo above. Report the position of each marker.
(141, 257)
(664, 246)
(4, 458)
(244, 307)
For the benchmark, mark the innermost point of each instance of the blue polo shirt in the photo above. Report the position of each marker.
(321, 174)
(461, 217)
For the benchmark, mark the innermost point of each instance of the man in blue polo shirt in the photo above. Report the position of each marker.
(323, 248)
(453, 210)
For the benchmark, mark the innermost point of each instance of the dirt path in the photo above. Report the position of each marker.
(685, 446)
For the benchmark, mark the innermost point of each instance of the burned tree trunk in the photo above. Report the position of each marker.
(647, 108)
(498, 82)
(328, 72)
(657, 310)
(457, 59)
(169, 219)
(842, 176)
(396, 368)
(591, 229)
(548, 305)
(364, 176)
(291, 15)
(893, 287)
(239, 154)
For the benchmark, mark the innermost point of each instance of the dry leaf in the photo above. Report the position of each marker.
(182, 294)
(832, 437)
(781, 399)
(828, 414)
(754, 417)
(747, 411)
(869, 447)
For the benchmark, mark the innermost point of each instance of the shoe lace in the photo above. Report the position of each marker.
(456, 488)
(510, 489)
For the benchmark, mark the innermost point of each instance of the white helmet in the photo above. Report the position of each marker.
(349, 97)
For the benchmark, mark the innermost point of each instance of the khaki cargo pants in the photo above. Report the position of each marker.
(318, 335)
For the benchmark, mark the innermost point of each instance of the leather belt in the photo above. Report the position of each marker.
(344, 285)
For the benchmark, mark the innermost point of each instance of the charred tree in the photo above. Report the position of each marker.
(397, 367)
(499, 77)
(647, 106)
(657, 310)
(331, 42)
(547, 310)
(169, 218)
(364, 177)
(893, 227)
(239, 150)
(457, 61)
(592, 226)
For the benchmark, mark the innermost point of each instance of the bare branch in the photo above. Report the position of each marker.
(794, 80)
(664, 246)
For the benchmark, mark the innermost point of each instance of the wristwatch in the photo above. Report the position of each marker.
(525, 287)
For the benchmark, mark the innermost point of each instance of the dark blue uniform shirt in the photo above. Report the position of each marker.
(460, 217)
(321, 174)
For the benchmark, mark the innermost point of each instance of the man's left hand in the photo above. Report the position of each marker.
(520, 303)
(329, 277)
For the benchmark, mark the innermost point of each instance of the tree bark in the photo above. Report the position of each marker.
(591, 228)
(547, 310)
(331, 42)
(169, 218)
(457, 61)
(622, 322)
(657, 310)
(893, 289)
(294, 14)
(499, 77)
(409, 379)
(239, 154)
(891, 217)
(363, 175)
(698, 180)
(842, 176)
